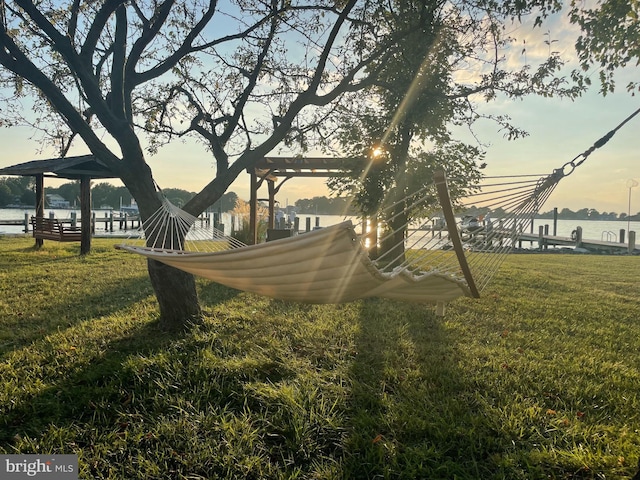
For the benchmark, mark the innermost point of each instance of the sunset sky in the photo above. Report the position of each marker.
(558, 131)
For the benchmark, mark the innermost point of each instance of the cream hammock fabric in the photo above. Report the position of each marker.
(323, 266)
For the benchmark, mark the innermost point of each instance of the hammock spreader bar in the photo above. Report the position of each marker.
(445, 203)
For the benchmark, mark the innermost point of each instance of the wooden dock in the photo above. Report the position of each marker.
(544, 241)
(108, 223)
(12, 223)
(112, 223)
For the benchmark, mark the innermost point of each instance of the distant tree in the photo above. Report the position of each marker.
(70, 191)
(225, 203)
(593, 214)
(28, 197)
(20, 189)
(583, 213)
(178, 196)
(6, 197)
(567, 213)
(105, 194)
(102, 195)
(325, 205)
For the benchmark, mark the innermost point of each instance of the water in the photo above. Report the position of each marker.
(67, 215)
(591, 229)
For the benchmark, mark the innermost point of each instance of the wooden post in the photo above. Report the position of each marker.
(85, 215)
(555, 221)
(39, 203)
(540, 237)
(546, 232)
(373, 238)
(253, 208)
(26, 223)
(308, 224)
(622, 230)
(445, 203)
(578, 237)
(271, 187)
(632, 241)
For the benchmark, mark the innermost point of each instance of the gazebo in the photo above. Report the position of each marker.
(271, 169)
(83, 168)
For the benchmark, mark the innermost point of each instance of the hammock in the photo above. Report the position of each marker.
(323, 266)
(333, 265)
(441, 257)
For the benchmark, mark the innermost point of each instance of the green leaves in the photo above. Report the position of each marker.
(610, 39)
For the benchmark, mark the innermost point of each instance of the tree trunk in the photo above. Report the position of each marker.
(175, 290)
(394, 250)
(177, 296)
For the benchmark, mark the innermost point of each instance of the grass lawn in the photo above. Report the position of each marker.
(538, 379)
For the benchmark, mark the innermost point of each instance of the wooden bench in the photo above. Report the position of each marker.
(51, 229)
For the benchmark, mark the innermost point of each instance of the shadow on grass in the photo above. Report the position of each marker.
(413, 410)
(152, 405)
(212, 293)
(64, 310)
(63, 295)
(93, 393)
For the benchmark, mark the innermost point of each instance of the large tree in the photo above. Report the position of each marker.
(238, 74)
(453, 59)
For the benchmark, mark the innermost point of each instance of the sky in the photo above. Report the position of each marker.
(558, 130)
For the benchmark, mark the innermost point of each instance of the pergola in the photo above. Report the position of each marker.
(271, 169)
(83, 168)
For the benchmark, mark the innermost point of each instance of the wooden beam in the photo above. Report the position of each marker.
(272, 204)
(445, 202)
(39, 203)
(253, 207)
(85, 215)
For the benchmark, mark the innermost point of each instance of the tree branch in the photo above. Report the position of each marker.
(12, 58)
(117, 99)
